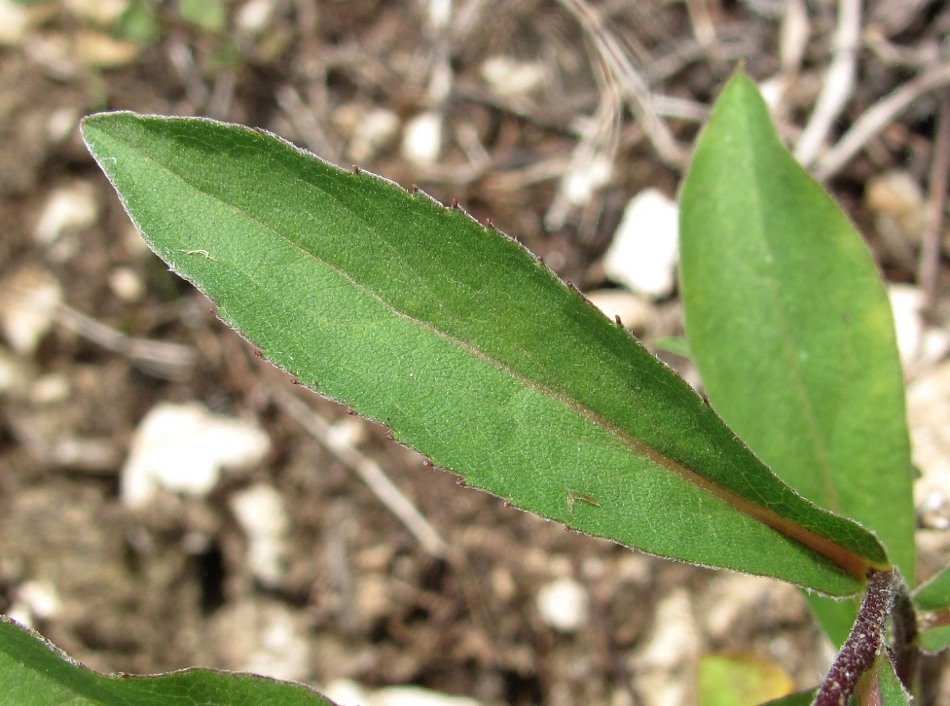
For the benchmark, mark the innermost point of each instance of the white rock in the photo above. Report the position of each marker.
(584, 178)
(14, 22)
(417, 696)
(68, 208)
(101, 12)
(906, 303)
(374, 130)
(666, 663)
(422, 138)
(674, 635)
(50, 389)
(898, 203)
(919, 345)
(283, 651)
(731, 598)
(440, 12)
(264, 636)
(928, 410)
(634, 312)
(184, 448)
(645, 247)
(61, 123)
(262, 515)
(41, 598)
(27, 307)
(255, 16)
(126, 284)
(563, 604)
(348, 693)
(9, 372)
(512, 77)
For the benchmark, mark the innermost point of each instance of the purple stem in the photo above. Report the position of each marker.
(863, 644)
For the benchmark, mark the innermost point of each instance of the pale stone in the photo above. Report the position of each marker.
(41, 598)
(255, 16)
(563, 605)
(346, 692)
(422, 138)
(184, 449)
(126, 284)
(374, 129)
(512, 77)
(928, 411)
(586, 177)
(15, 22)
(261, 513)
(634, 312)
(68, 208)
(28, 306)
(645, 248)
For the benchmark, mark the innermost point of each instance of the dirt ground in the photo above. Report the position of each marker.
(526, 101)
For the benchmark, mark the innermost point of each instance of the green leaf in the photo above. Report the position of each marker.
(791, 330)
(208, 15)
(932, 600)
(935, 594)
(740, 679)
(790, 326)
(802, 698)
(886, 688)
(34, 673)
(935, 639)
(138, 23)
(466, 346)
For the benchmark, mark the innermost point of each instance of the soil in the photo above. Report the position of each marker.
(169, 585)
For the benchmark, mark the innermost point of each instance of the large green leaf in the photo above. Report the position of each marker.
(789, 324)
(34, 673)
(468, 347)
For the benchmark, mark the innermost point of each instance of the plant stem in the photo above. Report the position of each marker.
(863, 644)
(904, 630)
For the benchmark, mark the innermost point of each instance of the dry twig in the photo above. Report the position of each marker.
(159, 358)
(839, 82)
(631, 81)
(367, 469)
(877, 117)
(929, 268)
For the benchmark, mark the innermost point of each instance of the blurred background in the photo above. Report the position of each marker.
(167, 499)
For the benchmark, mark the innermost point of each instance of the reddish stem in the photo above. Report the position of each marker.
(863, 644)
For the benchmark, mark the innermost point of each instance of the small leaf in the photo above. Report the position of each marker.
(790, 327)
(935, 594)
(466, 346)
(208, 15)
(34, 673)
(740, 679)
(802, 698)
(882, 686)
(932, 600)
(935, 639)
